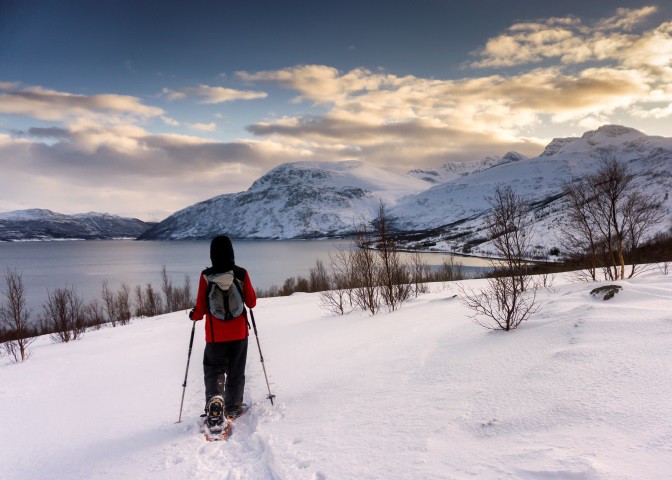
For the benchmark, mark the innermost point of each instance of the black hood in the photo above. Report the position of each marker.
(221, 253)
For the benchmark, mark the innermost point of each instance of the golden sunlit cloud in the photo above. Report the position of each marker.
(213, 95)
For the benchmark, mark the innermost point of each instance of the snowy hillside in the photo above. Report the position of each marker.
(581, 391)
(41, 224)
(454, 209)
(294, 200)
(453, 170)
(442, 208)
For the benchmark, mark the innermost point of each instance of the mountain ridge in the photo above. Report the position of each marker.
(44, 224)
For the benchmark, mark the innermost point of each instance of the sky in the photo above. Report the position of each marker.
(141, 108)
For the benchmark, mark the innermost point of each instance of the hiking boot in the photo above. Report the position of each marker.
(215, 411)
(234, 412)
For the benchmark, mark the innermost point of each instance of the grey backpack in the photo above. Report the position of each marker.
(225, 300)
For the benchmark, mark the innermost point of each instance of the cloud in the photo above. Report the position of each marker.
(626, 18)
(128, 169)
(321, 83)
(203, 127)
(383, 112)
(213, 95)
(568, 40)
(379, 116)
(51, 105)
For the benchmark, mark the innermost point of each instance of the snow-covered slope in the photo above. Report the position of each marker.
(453, 170)
(41, 224)
(321, 199)
(580, 391)
(454, 209)
(294, 200)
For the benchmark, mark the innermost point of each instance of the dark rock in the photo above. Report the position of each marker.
(606, 292)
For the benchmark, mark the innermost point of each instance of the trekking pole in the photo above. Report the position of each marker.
(184, 385)
(254, 325)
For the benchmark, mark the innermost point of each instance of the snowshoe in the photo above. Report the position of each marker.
(232, 413)
(215, 413)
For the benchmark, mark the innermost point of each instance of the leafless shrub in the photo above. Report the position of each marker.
(148, 302)
(109, 304)
(168, 291)
(302, 285)
(272, 291)
(393, 273)
(123, 301)
(15, 317)
(450, 270)
(365, 272)
(117, 305)
(288, 287)
(419, 274)
(502, 304)
(94, 314)
(64, 315)
(319, 277)
(338, 298)
(505, 302)
(182, 297)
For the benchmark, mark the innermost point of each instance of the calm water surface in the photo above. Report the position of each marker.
(85, 264)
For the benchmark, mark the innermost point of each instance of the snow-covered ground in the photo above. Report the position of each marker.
(581, 391)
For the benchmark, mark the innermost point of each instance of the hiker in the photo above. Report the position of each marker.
(223, 291)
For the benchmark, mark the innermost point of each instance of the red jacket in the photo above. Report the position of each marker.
(224, 331)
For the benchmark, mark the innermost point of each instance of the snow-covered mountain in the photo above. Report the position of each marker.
(294, 200)
(41, 224)
(440, 208)
(453, 170)
(453, 210)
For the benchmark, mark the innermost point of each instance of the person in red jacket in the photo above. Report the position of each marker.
(226, 340)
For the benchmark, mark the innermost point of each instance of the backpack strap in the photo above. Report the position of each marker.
(239, 275)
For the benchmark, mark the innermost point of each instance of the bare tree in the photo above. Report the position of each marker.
(365, 271)
(109, 303)
(94, 314)
(117, 305)
(64, 314)
(580, 237)
(148, 302)
(182, 298)
(608, 220)
(319, 277)
(123, 304)
(15, 317)
(338, 297)
(641, 212)
(168, 290)
(393, 274)
(505, 302)
(509, 233)
(418, 273)
(288, 287)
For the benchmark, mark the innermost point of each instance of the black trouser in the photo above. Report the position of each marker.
(225, 359)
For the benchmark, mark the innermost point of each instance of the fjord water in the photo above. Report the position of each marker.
(85, 264)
